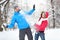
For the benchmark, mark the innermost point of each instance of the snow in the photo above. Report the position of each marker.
(9, 35)
(50, 34)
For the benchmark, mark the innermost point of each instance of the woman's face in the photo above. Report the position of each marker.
(43, 15)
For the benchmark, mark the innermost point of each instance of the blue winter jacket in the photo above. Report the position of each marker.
(20, 20)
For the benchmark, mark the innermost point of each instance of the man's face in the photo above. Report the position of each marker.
(17, 9)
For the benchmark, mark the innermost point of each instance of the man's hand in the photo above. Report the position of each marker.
(5, 25)
(34, 6)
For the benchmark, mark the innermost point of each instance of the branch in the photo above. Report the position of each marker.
(6, 3)
(2, 2)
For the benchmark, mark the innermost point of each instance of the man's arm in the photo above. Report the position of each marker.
(11, 25)
(31, 11)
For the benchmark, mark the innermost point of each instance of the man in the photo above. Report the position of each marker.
(23, 25)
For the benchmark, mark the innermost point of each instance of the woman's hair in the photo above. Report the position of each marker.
(41, 15)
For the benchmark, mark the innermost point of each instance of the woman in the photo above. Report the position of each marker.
(41, 25)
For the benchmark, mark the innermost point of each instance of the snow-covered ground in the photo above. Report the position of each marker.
(50, 34)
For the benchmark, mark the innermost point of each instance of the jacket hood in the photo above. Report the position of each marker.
(47, 14)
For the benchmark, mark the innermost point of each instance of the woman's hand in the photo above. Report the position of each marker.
(36, 28)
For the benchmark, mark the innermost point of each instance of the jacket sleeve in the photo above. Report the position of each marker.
(30, 12)
(11, 25)
(42, 26)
